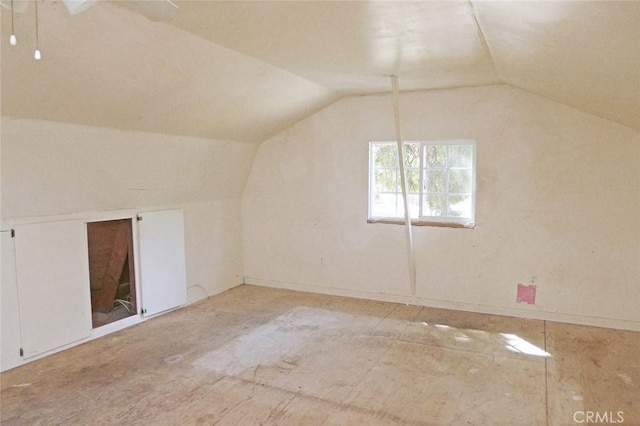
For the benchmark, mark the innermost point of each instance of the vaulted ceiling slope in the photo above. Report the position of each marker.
(245, 70)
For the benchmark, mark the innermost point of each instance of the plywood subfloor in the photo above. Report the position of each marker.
(255, 355)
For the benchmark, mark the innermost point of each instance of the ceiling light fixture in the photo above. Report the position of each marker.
(12, 40)
(77, 6)
(37, 55)
(154, 10)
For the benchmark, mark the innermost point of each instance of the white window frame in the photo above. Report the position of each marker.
(452, 221)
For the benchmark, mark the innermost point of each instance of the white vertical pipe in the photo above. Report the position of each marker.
(403, 182)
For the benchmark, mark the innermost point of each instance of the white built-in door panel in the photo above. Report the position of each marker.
(9, 313)
(162, 261)
(52, 266)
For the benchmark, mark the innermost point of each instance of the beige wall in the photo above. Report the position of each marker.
(51, 169)
(557, 203)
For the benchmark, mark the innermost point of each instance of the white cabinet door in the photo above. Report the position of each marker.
(9, 312)
(162, 261)
(52, 267)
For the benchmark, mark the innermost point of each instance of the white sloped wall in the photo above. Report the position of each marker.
(51, 169)
(557, 205)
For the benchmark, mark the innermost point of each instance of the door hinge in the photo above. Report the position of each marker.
(139, 218)
(13, 233)
(21, 352)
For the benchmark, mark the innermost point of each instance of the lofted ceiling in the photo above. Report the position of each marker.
(244, 70)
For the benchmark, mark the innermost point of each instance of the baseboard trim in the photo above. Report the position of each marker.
(562, 317)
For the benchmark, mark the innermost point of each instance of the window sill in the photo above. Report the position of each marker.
(415, 222)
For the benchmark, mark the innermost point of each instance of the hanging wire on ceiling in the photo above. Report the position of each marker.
(37, 55)
(12, 40)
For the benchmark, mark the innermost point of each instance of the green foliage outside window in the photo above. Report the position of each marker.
(447, 174)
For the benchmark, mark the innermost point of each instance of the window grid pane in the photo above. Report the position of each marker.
(386, 190)
(440, 180)
(447, 180)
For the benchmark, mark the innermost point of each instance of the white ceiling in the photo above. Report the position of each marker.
(246, 70)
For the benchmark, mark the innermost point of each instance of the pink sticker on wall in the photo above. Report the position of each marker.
(526, 294)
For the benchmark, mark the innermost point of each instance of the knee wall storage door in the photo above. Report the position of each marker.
(51, 299)
(52, 275)
(162, 260)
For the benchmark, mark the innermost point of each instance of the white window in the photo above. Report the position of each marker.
(441, 182)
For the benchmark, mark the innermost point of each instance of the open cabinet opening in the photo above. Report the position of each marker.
(111, 271)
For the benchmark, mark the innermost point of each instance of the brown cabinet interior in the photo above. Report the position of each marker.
(111, 271)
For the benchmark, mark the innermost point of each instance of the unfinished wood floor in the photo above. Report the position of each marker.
(263, 356)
